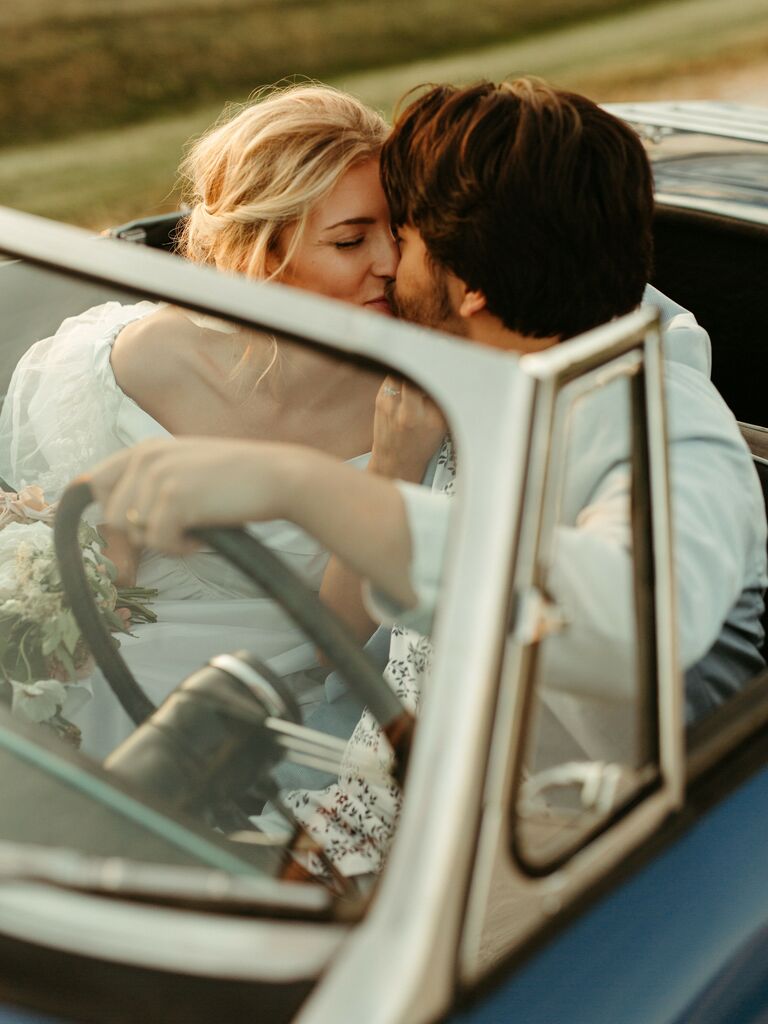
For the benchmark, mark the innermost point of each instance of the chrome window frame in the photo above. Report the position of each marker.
(498, 880)
(552, 435)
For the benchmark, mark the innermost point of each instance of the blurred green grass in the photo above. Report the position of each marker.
(72, 66)
(105, 177)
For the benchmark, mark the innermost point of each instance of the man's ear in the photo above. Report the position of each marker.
(472, 302)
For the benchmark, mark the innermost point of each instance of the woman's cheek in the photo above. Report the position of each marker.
(348, 280)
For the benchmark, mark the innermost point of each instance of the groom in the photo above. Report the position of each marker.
(524, 217)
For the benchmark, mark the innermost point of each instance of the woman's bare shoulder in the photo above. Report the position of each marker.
(149, 353)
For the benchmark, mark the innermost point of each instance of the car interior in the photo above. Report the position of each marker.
(715, 266)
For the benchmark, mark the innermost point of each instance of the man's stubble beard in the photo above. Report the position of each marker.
(431, 308)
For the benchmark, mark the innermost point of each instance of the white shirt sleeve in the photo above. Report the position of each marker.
(718, 542)
(428, 513)
(718, 536)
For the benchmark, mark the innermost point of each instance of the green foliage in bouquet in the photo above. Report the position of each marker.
(42, 653)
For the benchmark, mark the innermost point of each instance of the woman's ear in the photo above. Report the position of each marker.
(472, 302)
(276, 247)
(271, 263)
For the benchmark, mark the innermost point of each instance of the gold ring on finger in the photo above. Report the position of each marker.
(133, 516)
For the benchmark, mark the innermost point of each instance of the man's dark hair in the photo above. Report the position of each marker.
(534, 196)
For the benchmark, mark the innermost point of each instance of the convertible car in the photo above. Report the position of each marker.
(522, 883)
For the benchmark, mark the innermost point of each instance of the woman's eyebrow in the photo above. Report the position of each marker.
(350, 220)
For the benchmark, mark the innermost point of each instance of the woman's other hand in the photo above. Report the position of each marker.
(407, 430)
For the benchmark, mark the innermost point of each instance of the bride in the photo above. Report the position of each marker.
(287, 190)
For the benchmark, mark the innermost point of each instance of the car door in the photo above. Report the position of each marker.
(643, 894)
(519, 887)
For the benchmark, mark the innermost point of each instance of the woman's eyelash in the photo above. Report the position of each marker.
(349, 245)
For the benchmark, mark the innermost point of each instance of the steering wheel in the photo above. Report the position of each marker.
(265, 569)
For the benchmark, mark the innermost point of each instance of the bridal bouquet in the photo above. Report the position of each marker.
(42, 653)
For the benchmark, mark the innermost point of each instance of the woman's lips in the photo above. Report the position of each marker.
(380, 305)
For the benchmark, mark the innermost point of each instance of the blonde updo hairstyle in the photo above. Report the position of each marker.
(263, 169)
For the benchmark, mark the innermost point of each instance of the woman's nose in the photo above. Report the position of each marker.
(387, 256)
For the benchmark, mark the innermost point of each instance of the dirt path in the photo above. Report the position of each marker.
(732, 78)
(693, 45)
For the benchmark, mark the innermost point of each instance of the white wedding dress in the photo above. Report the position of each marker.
(63, 413)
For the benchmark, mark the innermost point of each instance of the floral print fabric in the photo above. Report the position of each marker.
(354, 819)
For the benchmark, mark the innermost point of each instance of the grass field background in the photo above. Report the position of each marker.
(101, 176)
(77, 65)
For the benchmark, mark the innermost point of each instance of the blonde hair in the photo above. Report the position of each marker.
(263, 168)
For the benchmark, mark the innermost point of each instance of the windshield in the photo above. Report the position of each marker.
(233, 742)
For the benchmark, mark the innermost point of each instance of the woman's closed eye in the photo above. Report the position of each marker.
(349, 244)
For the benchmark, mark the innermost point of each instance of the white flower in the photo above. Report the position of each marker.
(9, 581)
(38, 701)
(20, 543)
(38, 536)
(39, 605)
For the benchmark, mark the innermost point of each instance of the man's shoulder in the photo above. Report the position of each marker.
(697, 410)
(710, 460)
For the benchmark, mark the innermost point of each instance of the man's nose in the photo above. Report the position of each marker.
(387, 256)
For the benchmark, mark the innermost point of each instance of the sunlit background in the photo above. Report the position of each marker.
(99, 97)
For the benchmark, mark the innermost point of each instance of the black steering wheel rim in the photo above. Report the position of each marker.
(265, 569)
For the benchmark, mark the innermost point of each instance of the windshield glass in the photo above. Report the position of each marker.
(223, 737)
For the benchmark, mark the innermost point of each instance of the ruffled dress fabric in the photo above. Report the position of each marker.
(65, 412)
